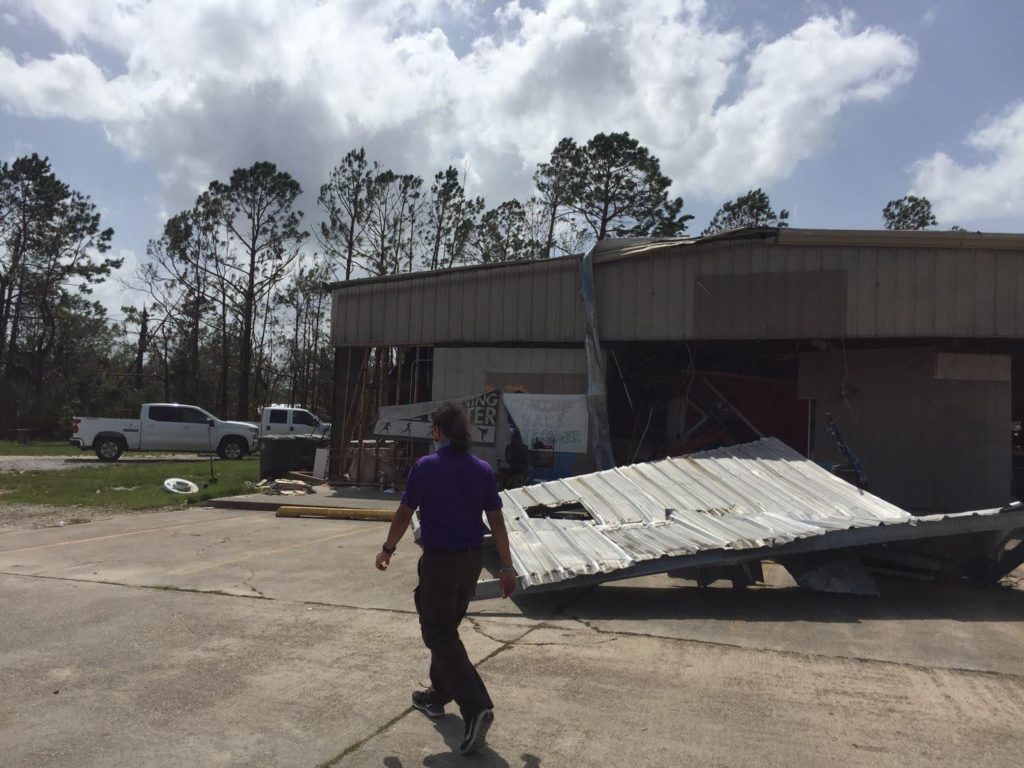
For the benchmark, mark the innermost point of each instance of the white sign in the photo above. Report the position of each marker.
(556, 420)
(412, 422)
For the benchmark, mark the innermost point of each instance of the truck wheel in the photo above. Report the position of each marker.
(231, 448)
(109, 449)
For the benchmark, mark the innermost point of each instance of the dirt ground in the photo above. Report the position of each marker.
(30, 517)
(27, 517)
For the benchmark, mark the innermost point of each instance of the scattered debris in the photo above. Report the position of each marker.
(178, 485)
(284, 487)
(822, 573)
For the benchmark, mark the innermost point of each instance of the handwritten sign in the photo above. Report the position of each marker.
(557, 420)
(413, 422)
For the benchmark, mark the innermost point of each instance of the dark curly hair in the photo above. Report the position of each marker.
(451, 419)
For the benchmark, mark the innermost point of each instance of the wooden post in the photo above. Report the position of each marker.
(361, 418)
(382, 393)
(339, 398)
(349, 363)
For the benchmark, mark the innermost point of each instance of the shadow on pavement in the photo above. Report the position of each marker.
(450, 728)
(901, 600)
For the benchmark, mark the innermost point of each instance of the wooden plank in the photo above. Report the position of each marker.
(337, 513)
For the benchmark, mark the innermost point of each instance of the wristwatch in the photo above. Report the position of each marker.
(508, 569)
(387, 551)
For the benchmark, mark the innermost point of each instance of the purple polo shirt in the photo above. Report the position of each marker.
(451, 491)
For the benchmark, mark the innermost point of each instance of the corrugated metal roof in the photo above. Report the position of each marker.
(621, 247)
(761, 494)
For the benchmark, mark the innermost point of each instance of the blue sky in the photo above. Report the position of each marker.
(833, 108)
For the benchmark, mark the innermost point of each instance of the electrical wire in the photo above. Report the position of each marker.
(639, 445)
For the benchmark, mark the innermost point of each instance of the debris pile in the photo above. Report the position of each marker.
(718, 514)
(284, 487)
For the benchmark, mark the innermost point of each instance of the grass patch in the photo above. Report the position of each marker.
(141, 485)
(48, 448)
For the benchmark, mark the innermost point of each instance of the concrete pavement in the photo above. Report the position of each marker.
(222, 638)
(322, 496)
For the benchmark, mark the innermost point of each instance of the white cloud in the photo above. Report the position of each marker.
(66, 85)
(991, 188)
(113, 293)
(207, 86)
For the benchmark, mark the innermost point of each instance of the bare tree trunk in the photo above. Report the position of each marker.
(222, 394)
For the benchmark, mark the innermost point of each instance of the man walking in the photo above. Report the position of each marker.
(451, 488)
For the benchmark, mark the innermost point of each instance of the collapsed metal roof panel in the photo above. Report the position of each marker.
(751, 496)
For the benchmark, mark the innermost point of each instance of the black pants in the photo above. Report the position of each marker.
(447, 583)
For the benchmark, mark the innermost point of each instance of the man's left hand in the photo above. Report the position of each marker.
(383, 560)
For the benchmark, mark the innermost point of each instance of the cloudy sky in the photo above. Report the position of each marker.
(833, 108)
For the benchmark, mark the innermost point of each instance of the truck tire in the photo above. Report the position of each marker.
(231, 448)
(108, 448)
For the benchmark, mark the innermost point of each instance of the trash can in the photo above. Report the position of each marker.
(281, 454)
(304, 454)
(274, 450)
(22, 436)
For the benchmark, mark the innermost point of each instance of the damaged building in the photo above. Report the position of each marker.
(903, 346)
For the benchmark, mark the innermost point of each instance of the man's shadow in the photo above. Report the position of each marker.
(451, 729)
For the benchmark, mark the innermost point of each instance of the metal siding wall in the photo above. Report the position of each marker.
(654, 294)
(566, 299)
(439, 294)
(927, 444)
(1019, 300)
(984, 293)
(337, 323)
(756, 310)
(615, 289)
(943, 316)
(924, 306)
(1004, 304)
(885, 299)
(642, 323)
(963, 296)
(361, 324)
(453, 327)
(537, 316)
(461, 371)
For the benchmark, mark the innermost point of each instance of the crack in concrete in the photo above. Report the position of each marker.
(248, 582)
(798, 654)
(203, 550)
(543, 625)
(614, 633)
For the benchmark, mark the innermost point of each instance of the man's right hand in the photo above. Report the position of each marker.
(508, 580)
(383, 560)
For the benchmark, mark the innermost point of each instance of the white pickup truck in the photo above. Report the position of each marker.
(291, 420)
(164, 427)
